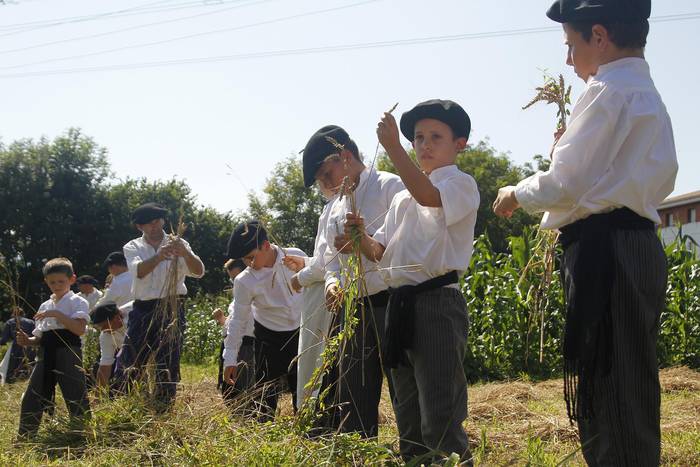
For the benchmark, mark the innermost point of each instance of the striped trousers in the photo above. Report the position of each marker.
(625, 427)
(431, 391)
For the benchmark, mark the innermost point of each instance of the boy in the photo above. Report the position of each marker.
(246, 373)
(360, 366)
(262, 294)
(60, 321)
(111, 321)
(119, 291)
(87, 285)
(18, 360)
(429, 227)
(610, 171)
(148, 258)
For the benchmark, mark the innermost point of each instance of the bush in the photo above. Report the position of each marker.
(202, 334)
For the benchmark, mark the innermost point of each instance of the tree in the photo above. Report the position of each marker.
(289, 210)
(491, 172)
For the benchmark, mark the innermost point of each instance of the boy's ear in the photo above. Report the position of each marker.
(461, 143)
(265, 245)
(72, 279)
(599, 35)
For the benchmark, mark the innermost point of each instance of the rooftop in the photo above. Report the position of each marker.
(679, 200)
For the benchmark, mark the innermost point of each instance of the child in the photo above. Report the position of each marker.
(262, 294)
(119, 290)
(430, 224)
(18, 360)
(610, 171)
(330, 157)
(87, 285)
(246, 371)
(60, 321)
(111, 321)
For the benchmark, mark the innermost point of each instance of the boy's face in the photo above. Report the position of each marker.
(59, 283)
(584, 56)
(331, 173)
(152, 230)
(259, 257)
(435, 144)
(86, 288)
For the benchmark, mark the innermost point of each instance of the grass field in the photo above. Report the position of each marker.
(515, 423)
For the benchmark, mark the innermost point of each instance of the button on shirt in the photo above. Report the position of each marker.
(152, 285)
(373, 195)
(71, 305)
(119, 291)
(426, 242)
(618, 151)
(111, 342)
(265, 296)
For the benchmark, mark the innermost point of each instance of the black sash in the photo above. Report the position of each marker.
(51, 341)
(400, 316)
(588, 341)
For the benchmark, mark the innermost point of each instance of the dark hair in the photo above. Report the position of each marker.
(58, 266)
(352, 147)
(232, 264)
(624, 35)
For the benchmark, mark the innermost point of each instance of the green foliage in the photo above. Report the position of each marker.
(202, 334)
(290, 210)
(491, 171)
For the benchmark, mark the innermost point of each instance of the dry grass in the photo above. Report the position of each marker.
(512, 423)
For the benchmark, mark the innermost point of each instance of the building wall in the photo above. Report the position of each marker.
(669, 234)
(679, 214)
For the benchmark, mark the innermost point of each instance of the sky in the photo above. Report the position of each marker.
(247, 82)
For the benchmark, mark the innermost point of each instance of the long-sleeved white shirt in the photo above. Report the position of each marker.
(92, 298)
(112, 341)
(314, 269)
(119, 291)
(617, 151)
(373, 195)
(152, 285)
(71, 305)
(426, 242)
(265, 296)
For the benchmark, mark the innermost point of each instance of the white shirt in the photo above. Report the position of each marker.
(92, 298)
(424, 242)
(152, 285)
(618, 151)
(373, 195)
(265, 296)
(315, 267)
(71, 305)
(249, 330)
(111, 342)
(119, 291)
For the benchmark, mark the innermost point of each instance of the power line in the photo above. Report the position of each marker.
(190, 36)
(318, 50)
(132, 28)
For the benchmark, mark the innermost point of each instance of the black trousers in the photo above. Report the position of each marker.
(235, 396)
(70, 377)
(625, 428)
(274, 353)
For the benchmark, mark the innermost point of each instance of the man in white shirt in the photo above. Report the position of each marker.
(262, 294)
(119, 290)
(610, 170)
(330, 157)
(149, 259)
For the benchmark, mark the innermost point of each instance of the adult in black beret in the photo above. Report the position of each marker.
(148, 212)
(319, 147)
(246, 237)
(623, 11)
(445, 111)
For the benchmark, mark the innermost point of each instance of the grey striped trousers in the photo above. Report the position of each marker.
(431, 391)
(625, 428)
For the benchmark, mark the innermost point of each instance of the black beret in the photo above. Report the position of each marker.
(246, 237)
(103, 313)
(318, 148)
(115, 257)
(86, 280)
(148, 212)
(448, 112)
(624, 11)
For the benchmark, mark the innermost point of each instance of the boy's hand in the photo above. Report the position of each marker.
(343, 243)
(296, 285)
(293, 263)
(557, 136)
(218, 316)
(23, 339)
(354, 223)
(231, 374)
(334, 297)
(46, 314)
(506, 202)
(388, 132)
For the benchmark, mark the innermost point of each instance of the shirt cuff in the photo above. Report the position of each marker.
(522, 195)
